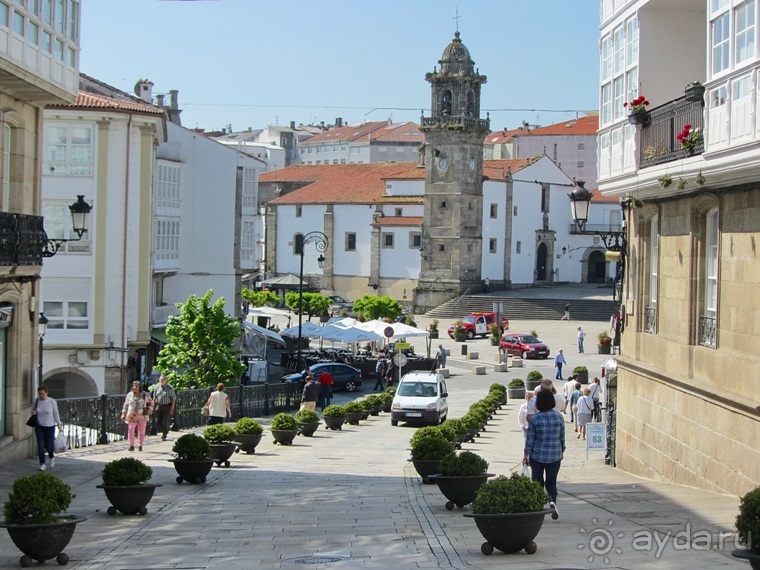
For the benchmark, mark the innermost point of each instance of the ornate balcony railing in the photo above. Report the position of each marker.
(658, 137)
(707, 331)
(650, 320)
(22, 239)
(596, 228)
(456, 121)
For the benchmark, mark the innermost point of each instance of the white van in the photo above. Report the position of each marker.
(420, 397)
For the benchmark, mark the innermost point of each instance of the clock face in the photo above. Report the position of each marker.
(472, 165)
(443, 164)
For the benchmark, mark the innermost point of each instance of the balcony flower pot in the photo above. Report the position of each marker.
(248, 434)
(639, 118)
(126, 487)
(694, 92)
(191, 459)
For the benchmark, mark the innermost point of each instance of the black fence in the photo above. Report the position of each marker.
(95, 420)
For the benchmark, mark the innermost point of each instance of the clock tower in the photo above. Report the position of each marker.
(453, 201)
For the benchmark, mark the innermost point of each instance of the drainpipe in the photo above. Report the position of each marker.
(124, 258)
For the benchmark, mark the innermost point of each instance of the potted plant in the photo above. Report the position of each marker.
(386, 399)
(516, 389)
(334, 416)
(495, 333)
(473, 424)
(499, 390)
(691, 139)
(221, 445)
(377, 404)
(460, 333)
(32, 521)
(126, 487)
(581, 374)
(637, 111)
(694, 91)
(460, 478)
(354, 413)
(509, 512)
(533, 379)
(308, 422)
(605, 343)
(748, 528)
(433, 328)
(284, 428)
(248, 434)
(460, 429)
(427, 452)
(191, 458)
(367, 407)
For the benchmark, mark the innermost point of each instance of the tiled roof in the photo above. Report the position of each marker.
(498, 169)
(586, 125)
(501, 137)
(396, 221)
(337, 183)
(399, 132)
(87, 100)
(345, 134)
(597, 197)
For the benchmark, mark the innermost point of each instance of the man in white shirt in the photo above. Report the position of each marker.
(567, 391)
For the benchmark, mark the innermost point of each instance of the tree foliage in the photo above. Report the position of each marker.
(313, 303)
(260, 298)
(200, 351)
(371, 307)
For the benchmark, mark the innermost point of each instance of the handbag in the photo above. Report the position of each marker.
(32, 421)
(205, 410)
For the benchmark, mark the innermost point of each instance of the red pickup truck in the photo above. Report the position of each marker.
(479, 323)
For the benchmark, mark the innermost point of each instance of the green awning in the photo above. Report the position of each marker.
(159, 335)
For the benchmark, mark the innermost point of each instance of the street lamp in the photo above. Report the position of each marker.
(80, 210)
(320, 243)
(41, 328)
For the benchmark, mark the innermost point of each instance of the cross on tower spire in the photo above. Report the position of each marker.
(457, 17)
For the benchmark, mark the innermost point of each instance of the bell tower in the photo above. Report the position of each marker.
(453, 201)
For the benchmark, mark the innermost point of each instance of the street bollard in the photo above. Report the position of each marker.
(464, 349)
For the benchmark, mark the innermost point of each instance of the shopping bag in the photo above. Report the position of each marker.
(526, 471)
(60, 443)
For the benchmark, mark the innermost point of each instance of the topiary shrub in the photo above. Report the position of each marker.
(366, 405)
(456, 424)
(385, 397)
(334, 411)
(374, 400)
(126, 471)
(307, 416)
(248, 426)
(748, 521)
(219, 433)
(191, 447)
(284, 421)
(464, 464)
(423, 432)
(390, 390)
(353, 408)
(496, 387)
(35, 499)
(535, 375)
(505, 495)
(432, 447)
(517, 382)
(471, 421)
(447, 431)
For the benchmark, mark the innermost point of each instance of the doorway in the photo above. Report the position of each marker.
(541, 262)
(597, 268)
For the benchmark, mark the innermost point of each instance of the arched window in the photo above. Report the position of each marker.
(446, 103)
(298, 244)
(709, 312)
(654, 254)
(5, 169)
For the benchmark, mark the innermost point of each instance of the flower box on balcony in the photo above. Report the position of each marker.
(639, 118)
(694, 92)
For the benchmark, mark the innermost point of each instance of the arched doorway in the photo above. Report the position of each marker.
(541, 262)
(64, 383)
(597, 268)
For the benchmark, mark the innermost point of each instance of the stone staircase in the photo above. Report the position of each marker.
(526, 308)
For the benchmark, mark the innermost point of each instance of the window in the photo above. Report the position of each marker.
(249, 188)
(34, 33)
(581, 146)
(581, 164)
(441, 248)
(388, 240)
(72, 31)
(18, 23)
(711, 265)
(350, 241)
(4, 13)
(618, 57)
(606, 68)
(518, 247)
(443, 204)
(167, 186)
(745, 31)
(5, 169)
(494, 210)
(606, 103)
(299, 211)
(544, 197)
(720, 43)
(248, 241)
(59, 11)
(650, 325)
(58, 225)
(68, 151)
(166, 239)
(47, 12)
(492, 245)
(415, 240)
(70, 315)
(298, 244)
(515, 211)
(399, 212)
(47, 41)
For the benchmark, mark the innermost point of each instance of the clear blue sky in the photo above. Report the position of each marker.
(250, 63)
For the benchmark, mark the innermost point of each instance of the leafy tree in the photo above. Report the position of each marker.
(313, 303)
(200, 351)
(371, 307)
(260, 298)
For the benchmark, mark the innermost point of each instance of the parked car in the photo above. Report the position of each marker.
(339, 304)
(345, 377)
(524, 345)
(479, 323)
(420, 397)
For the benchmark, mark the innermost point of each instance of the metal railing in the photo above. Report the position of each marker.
(707, 331)
(22, 239)
(456, 121)
(658, 137)
(595, 228)
(95, 420)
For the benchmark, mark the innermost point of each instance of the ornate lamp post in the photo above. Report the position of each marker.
(80, 211)
(320, 243)
(41, 329)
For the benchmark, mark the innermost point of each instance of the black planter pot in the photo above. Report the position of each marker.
(307, 430)
(751, 557)
(334, 423)
(509, 533)
(433, 334)
(365, 414)
(194, 472)
(516, 392)
(581, 377)
(375, 411)
(387, 407)
(129, 499)
(220, 453)
(354, 418)
(694, 93)
(604, 348)
(495, 342)
(460, 490)
(42, 542)
(473, 432)
(248, 442)
(460, 337)
(426, 467)
(641, 118)
(284, 436)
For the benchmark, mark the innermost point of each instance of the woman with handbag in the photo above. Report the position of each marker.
(218, 405)
(46, 413)
(583, 411)
(138, 406)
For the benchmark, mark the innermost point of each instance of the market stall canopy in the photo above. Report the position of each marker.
(287, 281)
(308, 330)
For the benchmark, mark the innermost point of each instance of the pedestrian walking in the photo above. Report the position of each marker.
(136, 411)
(46, 412)
(164, 398)
(522, 415)
(310, 394)
(566, 316)
(559, 361)
(545, 444)
(584, 409)
(595, 391)
(574, 397)
(581, 336)
(567, 391)
(325, 389)
(440, 356)
(390, 372)
(487, 285)
(380, 369)
(218, 406)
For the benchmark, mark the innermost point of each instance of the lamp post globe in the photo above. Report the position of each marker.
(580, 202)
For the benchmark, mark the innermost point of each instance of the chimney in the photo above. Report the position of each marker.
(144, 90)
(173, 109)
(160, 101)
(293, 125)
(322, 125)
(338, 122)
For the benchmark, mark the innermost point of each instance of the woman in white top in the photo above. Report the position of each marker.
(218, 406)
(522, 415)
(46, 410)
(584, 409)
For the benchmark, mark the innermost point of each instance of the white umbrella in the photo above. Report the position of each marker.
(404, 330)
(345, 323)
(308, 330)
(269, 312)
(354, 335)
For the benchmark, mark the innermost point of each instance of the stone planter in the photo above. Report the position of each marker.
(531, 385)
(604, 348)
(307, 430)
(129, 499)
(194, 472)
(426, 467)
(284, 436)
(509, 533)
(581, 377)
(516, 392)
(334, 423)
(220, 453)
(248, 442)
(460, 490)
(751, 557)
(42, 542)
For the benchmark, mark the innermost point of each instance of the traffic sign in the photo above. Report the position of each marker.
(402, 345)
(389, 332)
(400, 359)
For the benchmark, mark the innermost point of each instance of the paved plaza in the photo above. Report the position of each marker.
(350, 498)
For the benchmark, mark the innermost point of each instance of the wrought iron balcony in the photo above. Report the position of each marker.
(22, 239)
(596, 228)
(658, 137)
(650, 320)
(707, 331)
